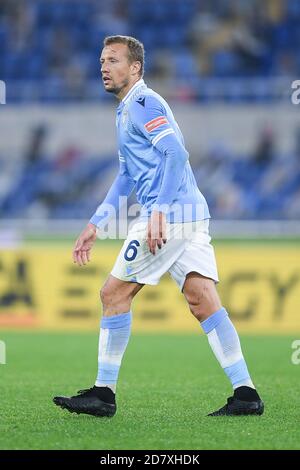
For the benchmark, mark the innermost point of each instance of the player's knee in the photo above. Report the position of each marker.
(201, 295)
(199, 311)
(106, 296)
(114, 299)
(201, 302)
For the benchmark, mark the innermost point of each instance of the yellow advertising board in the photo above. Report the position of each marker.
(41, 288)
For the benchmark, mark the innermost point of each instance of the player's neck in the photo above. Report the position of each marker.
(126, 89)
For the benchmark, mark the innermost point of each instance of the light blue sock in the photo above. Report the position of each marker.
(114, 337)
(225, 343)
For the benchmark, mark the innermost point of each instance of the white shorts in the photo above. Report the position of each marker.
(188, 249)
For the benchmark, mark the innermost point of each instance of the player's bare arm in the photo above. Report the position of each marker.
(157, 231)
(84, 244)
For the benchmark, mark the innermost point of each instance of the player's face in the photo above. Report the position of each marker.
(115, 68)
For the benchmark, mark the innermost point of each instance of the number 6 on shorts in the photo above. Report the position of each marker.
(131, 247)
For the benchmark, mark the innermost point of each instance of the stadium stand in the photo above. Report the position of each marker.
(208, 50)
(52, 45)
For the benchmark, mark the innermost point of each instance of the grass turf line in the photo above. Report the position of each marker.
(167, 385)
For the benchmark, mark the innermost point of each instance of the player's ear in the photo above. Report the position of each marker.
(136, 67)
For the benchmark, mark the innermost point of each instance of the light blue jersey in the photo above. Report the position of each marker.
(153, 160)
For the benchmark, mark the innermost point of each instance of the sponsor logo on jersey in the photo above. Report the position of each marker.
(141, 101)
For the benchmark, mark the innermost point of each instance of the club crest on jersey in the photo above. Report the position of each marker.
(155, 123)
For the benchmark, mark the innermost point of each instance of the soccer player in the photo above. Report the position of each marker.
(170, 235)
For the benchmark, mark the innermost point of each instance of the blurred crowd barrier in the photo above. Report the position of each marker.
(40, 288)
(59, 162)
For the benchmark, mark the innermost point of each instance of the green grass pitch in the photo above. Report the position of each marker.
(167, 385)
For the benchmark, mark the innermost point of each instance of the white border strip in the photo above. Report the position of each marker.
(161, 135)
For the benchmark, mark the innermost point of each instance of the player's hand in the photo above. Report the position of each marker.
(157, 231)
(84, 244)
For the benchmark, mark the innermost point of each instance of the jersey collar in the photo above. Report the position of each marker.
(132, 90)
